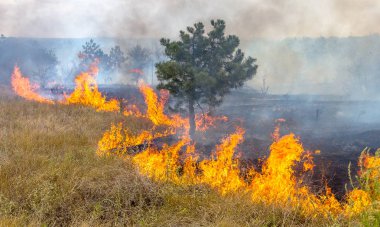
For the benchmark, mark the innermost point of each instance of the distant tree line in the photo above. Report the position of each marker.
(41, 64)
(134, 62)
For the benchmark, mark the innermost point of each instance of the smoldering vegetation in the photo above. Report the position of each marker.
(50, 175)
(339, 129)
(325, 89)
(339, 124)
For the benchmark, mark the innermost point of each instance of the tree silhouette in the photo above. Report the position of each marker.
(202, 68)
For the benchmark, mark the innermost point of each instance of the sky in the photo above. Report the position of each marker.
(248, 19)
(272, 19)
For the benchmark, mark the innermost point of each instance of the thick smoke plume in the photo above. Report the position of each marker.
(264, 26)
(149, 18)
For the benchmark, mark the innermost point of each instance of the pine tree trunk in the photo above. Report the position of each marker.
(191, 119)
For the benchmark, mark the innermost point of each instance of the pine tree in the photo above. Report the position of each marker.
(202, 68)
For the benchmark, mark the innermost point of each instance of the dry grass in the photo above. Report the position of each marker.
(49, 174)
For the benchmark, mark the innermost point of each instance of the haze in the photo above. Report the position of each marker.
(151, 18)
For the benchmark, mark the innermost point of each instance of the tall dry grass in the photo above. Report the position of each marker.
(50, 175)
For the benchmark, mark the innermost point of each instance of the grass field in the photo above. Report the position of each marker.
(50, 175)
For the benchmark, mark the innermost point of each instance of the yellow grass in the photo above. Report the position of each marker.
(50, 175)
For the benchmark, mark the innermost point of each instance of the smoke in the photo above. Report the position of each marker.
(330, 66)
(152, 19)
(264, 26)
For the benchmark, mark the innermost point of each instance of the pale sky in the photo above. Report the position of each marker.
(164, 18)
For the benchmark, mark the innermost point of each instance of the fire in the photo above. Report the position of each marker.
(155, 112)
(222, 170)
(161, 165)
(357, 202)
(132, 110)
(370, 165)
(119, 140)
(155, 107)
(277, 181)
(24, 88)
(276, 184)
(206, 121)
(276, 133)
(87, 93)
(370, 173)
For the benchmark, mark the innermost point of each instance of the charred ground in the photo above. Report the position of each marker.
(339, 129)
(50, 175)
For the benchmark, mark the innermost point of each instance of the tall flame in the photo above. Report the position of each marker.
(24, 88)
(275, 184)
(222, 170)
(87, 93)
(155, 106)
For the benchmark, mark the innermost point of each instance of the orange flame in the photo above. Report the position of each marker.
(222, 170)
(155, 107)
(132, 110)
(206, 121)
(370, 172)
(24, 88)
(357, 202)
(155, 112)
(276, 184)
(87, 93)
(161, 165)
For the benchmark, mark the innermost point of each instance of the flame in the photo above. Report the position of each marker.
(357, 202)
(370, 165)
(206, 121)
(308, 164)
(276, 133)
(155, 112)
(155, 107)
(276, 184)
(24, 88)
(370, 172)
(360, 200)
(222, 170)
(161, 165)
(118, 140)
(132, 110)
(178, 163)
(87, 93)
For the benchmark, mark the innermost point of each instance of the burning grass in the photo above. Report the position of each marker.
(24, 88)
(50, 174)
(86, 92)
(176, 167)
(275, 185)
